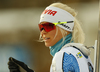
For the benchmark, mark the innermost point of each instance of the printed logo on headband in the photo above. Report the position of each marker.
(66, 26)
(49, 12)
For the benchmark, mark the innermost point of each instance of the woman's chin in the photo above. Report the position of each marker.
(48, 44)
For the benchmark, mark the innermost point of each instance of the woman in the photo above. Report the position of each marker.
(61, 32)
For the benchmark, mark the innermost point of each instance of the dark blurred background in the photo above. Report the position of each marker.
(36, 3)
(19, 30)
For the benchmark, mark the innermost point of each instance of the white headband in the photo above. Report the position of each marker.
(55, 15)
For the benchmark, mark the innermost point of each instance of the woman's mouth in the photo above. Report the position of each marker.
(46, 39)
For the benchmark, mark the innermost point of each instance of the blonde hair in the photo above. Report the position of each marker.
(77, 34)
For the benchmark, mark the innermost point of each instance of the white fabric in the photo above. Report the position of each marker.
(56, 65)
(80, 46)
(54, 15)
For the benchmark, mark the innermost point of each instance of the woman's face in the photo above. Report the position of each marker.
(49, 37)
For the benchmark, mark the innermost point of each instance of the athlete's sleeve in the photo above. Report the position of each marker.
(70, 63)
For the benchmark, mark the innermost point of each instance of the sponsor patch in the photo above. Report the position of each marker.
(79, 55)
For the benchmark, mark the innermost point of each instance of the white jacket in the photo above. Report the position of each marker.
(84, 64)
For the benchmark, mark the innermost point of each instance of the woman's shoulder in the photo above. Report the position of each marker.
(76, 47)
(73, 49)
(66, 50)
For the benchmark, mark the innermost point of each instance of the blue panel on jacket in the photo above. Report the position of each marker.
(70, 63)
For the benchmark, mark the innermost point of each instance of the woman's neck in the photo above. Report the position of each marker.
(60, 44)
